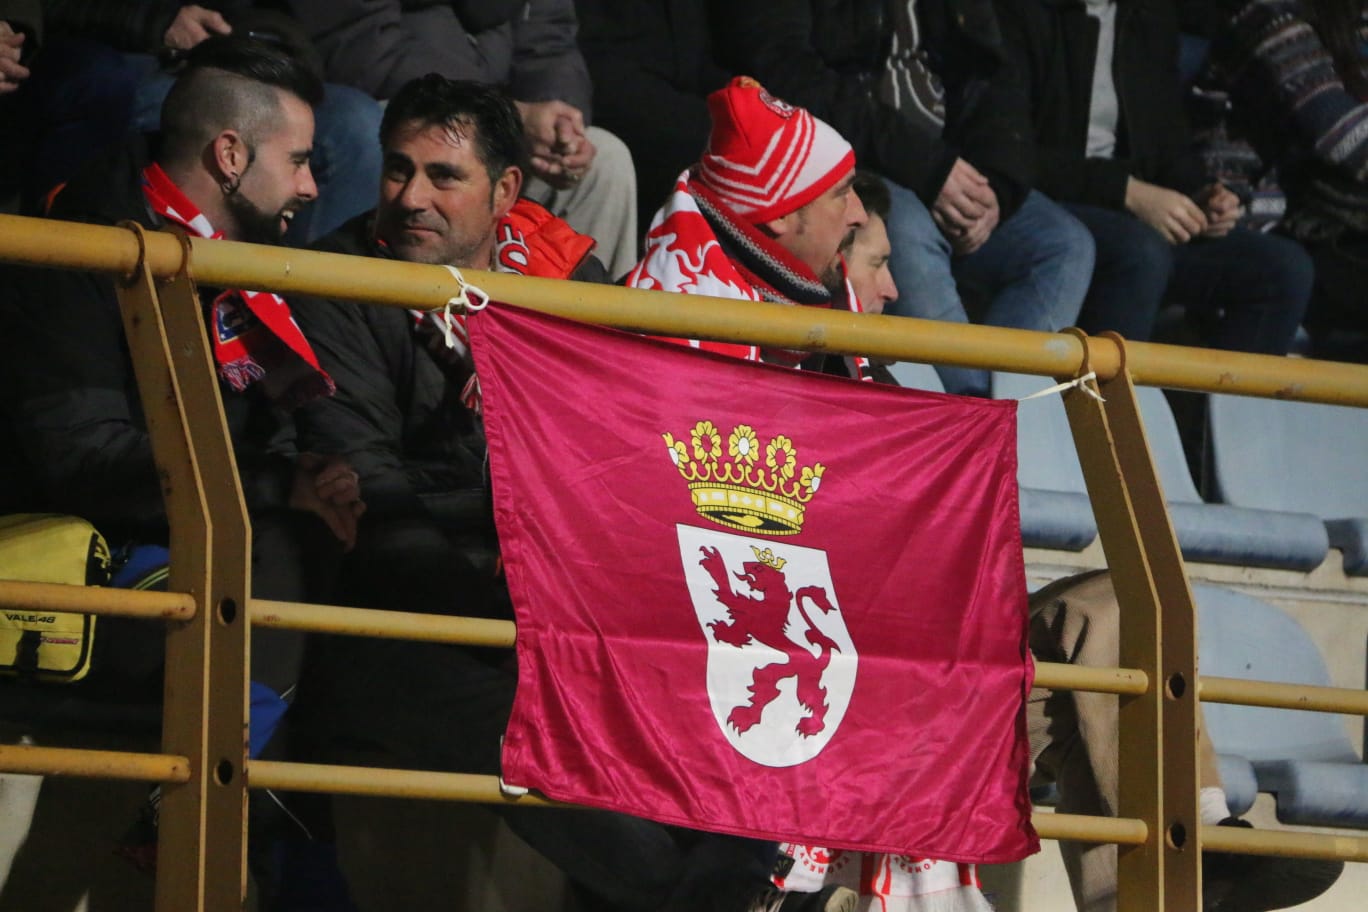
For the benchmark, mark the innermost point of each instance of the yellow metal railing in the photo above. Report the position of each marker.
(204, 765)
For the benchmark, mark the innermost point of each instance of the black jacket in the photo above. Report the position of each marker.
(130, 25)
(1054, 44)
(527, 46)
(828, 56)
(652, 65)
(71, 399)
(396, 415)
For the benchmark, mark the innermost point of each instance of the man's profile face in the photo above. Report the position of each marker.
(867, 265)
(437, 203)
(816, 232)
(277, 183)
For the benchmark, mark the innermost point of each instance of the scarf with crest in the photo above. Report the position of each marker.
(253, 334)
(696, 245)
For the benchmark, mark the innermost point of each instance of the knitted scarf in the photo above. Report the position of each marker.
(697, 245)
(254, 336)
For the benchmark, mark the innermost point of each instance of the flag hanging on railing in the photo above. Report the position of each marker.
(757, 600)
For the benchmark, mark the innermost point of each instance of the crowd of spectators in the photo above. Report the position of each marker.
(1025, 163)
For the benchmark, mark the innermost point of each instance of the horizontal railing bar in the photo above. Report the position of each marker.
(361, 780)
(394, 783)
(1063, 676)
(101, 600)
(402, 625)
(93, 764)
(1283, 696)
(1081, 828)
(395, 625)
(233, 264)
(1285, 843)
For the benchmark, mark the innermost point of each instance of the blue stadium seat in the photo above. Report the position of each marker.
(1056, 513)
(1295, 456)
(1055, 510)
(1221, 533)
(1304, 758)
(915, 375)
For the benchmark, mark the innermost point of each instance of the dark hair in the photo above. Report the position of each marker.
(251, 56)
(1339, 23)
(459, 105)
(873, 193)
(231, 82)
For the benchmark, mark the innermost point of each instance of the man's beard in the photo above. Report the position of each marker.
(833, 277)
(255, 225)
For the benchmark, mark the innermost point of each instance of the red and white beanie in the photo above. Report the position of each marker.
(765, 158)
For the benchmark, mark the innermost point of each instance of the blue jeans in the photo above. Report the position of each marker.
(346, 150)
(1242, 292)
(1033, 271)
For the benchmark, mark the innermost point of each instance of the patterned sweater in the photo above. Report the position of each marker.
(1299, 116)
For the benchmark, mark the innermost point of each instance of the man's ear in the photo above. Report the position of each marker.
(781, 226)
(231, 155)
(506, 190)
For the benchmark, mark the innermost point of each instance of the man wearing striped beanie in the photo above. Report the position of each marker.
(761, 216)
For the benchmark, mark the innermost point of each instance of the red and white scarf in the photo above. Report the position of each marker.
(697, 246)
(529, 241)
(886, 883)
(254, 335)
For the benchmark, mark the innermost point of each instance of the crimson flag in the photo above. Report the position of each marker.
(756, 600)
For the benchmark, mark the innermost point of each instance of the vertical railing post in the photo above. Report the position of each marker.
(201, 855)
(1157, 742)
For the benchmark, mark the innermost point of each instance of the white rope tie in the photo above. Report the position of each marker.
(468, 299)
(1076, 383)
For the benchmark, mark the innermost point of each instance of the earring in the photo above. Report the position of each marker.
(230, 186)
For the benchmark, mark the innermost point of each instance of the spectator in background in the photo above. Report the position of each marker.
(232, 161)
(1111, 144)
(580, 172)
(919, 89)
(111, 63)
(761, 217)
(653, 69)
(21, 24)
(1298, 73)
(867, 250)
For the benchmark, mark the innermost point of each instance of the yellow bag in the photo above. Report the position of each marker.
(49, 548)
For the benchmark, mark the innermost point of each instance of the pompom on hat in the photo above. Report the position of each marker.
(766, 158)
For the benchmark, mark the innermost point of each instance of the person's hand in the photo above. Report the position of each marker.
(559, 149)
(192, 25)
(966, 209)
(962, 241)
(328, 487)
(1222, 208)
(1177, 218)
(965, 197)
(12, 72)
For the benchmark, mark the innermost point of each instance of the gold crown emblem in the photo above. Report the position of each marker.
(745, 486)
(767, 558)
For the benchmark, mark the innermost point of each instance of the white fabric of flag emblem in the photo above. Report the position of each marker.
(781, 662)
